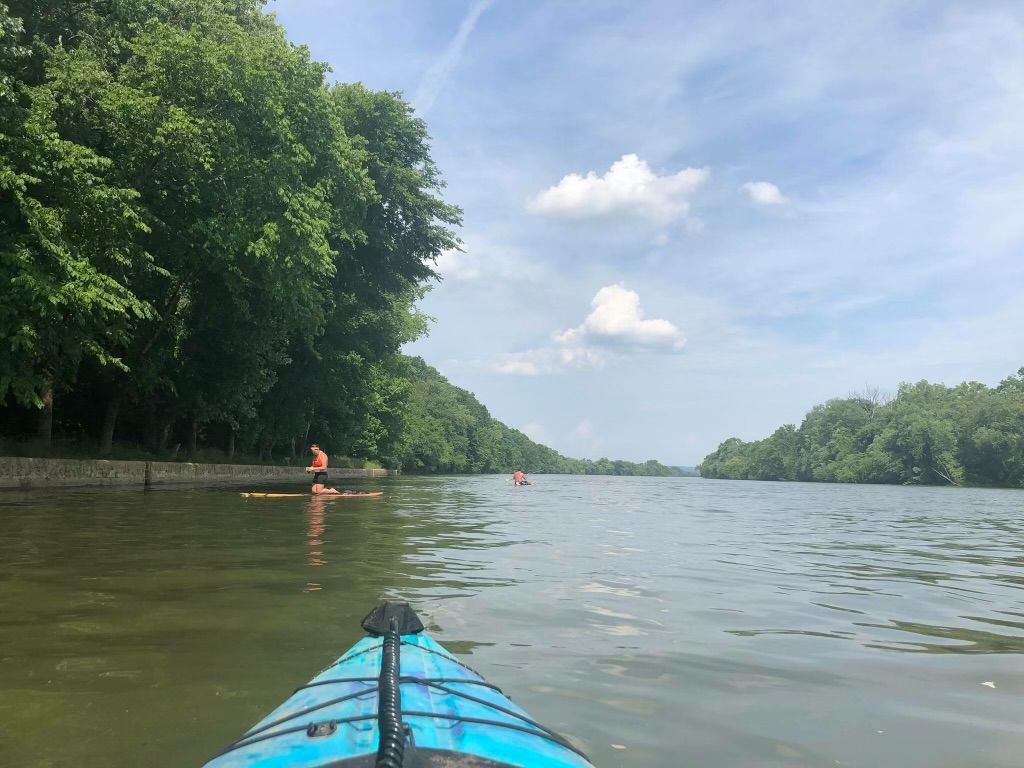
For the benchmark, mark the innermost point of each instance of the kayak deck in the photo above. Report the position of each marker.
(342, 495)
(449, 715)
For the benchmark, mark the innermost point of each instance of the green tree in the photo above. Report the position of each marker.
(928, 434)
(69, 250)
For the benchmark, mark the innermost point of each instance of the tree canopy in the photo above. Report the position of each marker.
(928, 434)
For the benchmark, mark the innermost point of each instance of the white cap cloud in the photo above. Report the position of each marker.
(616, 323)
(618, 320)
(629, 186)
(764, 193)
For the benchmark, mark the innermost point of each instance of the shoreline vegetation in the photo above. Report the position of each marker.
(444, 430)
(927, 434)
(210, 251)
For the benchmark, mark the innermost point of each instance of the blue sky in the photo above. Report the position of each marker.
(691, 221)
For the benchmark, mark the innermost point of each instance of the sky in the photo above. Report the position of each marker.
(689, 221)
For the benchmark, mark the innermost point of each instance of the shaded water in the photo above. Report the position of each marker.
(658, 622)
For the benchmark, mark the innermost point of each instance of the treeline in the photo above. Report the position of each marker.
(448, 430)
(928, 434)
(201, 239)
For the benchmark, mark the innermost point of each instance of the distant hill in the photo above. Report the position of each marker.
(447, 430)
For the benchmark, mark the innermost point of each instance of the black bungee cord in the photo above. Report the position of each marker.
(391, 750)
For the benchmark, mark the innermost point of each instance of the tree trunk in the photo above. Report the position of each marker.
(193, 437)
(165, 435)
(231, 444)
(151, 431)
(291, 444)
(110, 421)
(266, 448)
(45, 424)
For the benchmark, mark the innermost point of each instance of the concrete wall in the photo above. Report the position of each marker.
(17, 472)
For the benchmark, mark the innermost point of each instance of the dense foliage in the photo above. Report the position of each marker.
(928, 434)
(204, 243)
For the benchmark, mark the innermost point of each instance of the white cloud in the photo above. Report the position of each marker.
(764, 193)
(629, 186)
(558, 359)
(616, 324)
(617, 319)
(482, 258)
(458, 265)
(434, 79)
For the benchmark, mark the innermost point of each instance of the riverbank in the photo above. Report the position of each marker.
(37, 473)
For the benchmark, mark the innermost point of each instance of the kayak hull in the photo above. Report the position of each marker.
(452, 718)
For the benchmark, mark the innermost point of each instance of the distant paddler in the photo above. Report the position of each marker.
(319, 470)
(519, 477)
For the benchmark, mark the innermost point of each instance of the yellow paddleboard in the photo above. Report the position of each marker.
(253, 495)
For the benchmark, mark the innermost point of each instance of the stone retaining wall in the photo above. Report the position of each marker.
(17, 472)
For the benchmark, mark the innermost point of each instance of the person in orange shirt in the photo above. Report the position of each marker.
(319, 470)
(519, 477)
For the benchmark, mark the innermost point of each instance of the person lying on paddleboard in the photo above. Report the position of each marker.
(519, 477)
(319, 470)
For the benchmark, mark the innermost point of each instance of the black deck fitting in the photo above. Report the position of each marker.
(378, 621)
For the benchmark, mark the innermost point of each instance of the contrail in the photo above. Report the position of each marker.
(435, 77)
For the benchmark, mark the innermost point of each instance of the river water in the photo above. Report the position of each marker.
(655, 621)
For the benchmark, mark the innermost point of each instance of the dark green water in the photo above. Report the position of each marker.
(658, 622)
